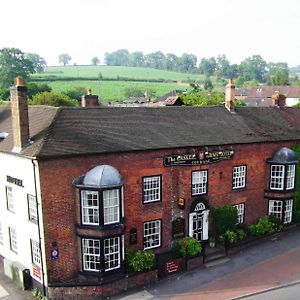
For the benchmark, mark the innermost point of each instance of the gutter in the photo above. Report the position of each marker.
(38, 223)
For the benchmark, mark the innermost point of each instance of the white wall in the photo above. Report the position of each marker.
(291, 101)
(23, 169)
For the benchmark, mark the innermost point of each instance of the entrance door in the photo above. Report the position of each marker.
(198, 225)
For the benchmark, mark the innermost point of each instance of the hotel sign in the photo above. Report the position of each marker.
(203, 157)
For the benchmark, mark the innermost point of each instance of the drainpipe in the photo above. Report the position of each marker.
(38, 223)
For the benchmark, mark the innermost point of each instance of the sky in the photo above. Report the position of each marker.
(88, 28)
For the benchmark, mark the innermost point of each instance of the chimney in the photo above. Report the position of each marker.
(278, 100)
(230, 96)
(89, 99)
(19, 112)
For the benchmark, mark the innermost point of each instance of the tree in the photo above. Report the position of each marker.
(137, 59)
(253, 68)
(207, 66)
(53, 99)
(117, 58)
(35, 88)
(38, 62)
(278, 73)
(203, 98)
(95, 61)
(223, 67)
(155, 60)
(64, 59)
(171, 61)
(187, 63)
(207, 84)
(75, 93)
(13, 63)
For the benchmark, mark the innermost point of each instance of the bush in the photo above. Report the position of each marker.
(262, 227)
(231, 236)
(224, 217)
(75, 93)
(52, 99)
(138, 261)
(187, 246)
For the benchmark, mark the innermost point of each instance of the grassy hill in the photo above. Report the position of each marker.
(114, 80)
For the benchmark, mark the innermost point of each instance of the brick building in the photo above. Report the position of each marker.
(80, 186)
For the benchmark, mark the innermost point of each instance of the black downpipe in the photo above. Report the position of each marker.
(39, 228)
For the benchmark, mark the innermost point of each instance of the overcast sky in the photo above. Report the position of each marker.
(88, 28)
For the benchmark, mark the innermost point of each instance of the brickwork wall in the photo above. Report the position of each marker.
(101, 291)
(60, 199)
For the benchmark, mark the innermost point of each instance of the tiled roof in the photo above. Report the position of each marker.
(268, 91)
(78, 131)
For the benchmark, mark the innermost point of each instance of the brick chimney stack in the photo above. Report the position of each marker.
(230, 96)
(278, 100)
(19, 111)
(89, 99)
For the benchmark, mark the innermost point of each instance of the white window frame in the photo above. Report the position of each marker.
(112, 253)
(90, 207)
(277, 173)
(32, 208)
(240, 208)
(10, 199)
(276, 208)
(290, 177)
(152, 188)
(199, 182)
(111, 206)
(288, 211)
(35, 252)
(13, 239)
(91, 254)
(152, 234)
(239, 177)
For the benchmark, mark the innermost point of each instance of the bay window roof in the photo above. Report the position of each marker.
(284, 156)
(103, 176)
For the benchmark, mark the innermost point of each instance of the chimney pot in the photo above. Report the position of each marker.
(19, 81)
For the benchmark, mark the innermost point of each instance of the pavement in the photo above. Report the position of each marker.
(272, 264)
(9, 290)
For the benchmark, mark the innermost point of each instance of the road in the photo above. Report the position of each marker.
(267, 266)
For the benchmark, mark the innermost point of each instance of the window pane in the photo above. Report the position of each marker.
(199, 182)
(151, 188)
(13, 240)
(10, 199)
(288, 211)
(90, 207)
(239, 177)
(91, 254)
(152, 238)
(240, 212)
(32, 208)
(275, 209)
(290, 177)
(112, 253)
(36, 254)
(111, 206)
(277, 177)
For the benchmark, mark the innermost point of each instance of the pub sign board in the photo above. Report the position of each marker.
(203, 157)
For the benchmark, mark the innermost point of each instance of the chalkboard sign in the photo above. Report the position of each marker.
(178, 228)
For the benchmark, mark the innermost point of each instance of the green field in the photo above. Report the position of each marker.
(115, 72)
(114, 90)
(114, 80)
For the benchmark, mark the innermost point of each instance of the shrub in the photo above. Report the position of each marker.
(187, 246)
(231, 236)
(138, 261)
(262, 227)
(224, 217)
(52, 99)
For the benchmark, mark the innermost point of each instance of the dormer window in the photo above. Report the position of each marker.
(282, 170)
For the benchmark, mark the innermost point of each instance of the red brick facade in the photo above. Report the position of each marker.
(61, 207)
